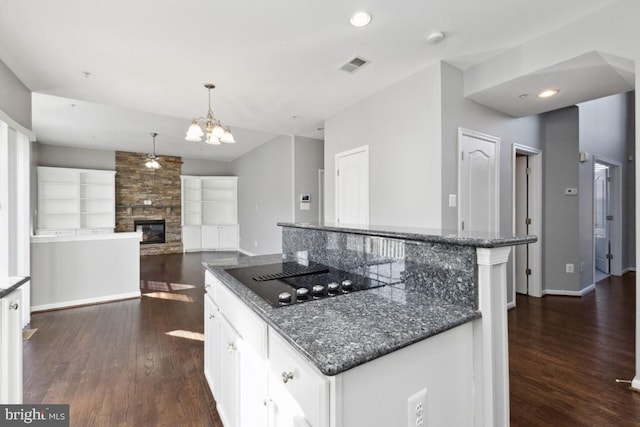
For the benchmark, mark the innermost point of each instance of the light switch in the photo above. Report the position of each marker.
(571, 191)
(453, 200)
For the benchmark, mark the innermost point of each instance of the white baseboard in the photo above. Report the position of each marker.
(635, 383)
(247, 253)
(579, 293)
(511, 305)
(629, 270)
(88, 301)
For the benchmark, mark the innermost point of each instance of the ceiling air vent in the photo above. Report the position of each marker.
(354, 65)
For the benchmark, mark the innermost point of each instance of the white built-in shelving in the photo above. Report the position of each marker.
(75, 201)
(209, 212)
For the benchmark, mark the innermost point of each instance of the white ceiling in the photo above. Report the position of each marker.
(275, 63)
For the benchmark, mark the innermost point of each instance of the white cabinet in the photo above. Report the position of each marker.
(209, 212)
(211, 345)
(11, 348)
(75, 201)
(270, 383)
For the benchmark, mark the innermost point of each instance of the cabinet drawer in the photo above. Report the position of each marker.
(210, 284)
(251, 328)
(306, 385)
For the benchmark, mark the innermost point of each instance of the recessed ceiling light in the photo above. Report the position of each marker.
(360, 19)
(547, 93)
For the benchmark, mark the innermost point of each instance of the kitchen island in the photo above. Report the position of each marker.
(411, 351)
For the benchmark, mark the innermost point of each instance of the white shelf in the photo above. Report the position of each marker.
(75, 199)
(210, 204)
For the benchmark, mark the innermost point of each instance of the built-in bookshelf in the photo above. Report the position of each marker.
(75, 201)
(209, 212)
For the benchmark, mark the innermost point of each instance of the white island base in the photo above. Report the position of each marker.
(68, 271)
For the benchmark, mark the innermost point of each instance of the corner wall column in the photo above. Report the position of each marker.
(491, 343)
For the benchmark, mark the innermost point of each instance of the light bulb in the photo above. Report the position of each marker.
(194, 133)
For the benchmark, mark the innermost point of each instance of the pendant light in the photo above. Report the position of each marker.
(152, 159)
(213, 130)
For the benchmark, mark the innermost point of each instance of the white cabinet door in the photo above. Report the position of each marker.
(212, 345)
(253, 387)
(229, 237)
(210, 237)
(191, 238)
(11, 348)
(284, 411)
(228, 397)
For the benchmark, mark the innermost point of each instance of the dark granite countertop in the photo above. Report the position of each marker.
(339, 333)
(10, 284)
(454, 237)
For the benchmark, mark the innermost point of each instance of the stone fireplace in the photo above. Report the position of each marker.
(149, 196)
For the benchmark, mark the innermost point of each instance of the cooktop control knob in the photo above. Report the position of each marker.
(333, 287)
(302, 292)
(317, 289)
(284, 297)
(347, 285)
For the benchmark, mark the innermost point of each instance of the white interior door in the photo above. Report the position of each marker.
(352, 186)
(600, 216)
(478, 182)
(521, 215)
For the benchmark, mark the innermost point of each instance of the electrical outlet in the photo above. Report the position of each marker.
(569, 268)
(417, 409)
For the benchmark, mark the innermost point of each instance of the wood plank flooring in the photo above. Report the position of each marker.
(130, 363)
(565, 354)
(139, 362)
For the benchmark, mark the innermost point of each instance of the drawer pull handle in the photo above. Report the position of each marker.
(211, 316)
(207, 286)
(231, 347)
(287, 376)
(13, 306)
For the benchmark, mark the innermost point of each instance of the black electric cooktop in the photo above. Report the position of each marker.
(288, 283)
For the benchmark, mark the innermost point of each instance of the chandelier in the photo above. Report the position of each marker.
(152, 159)
(213, 129)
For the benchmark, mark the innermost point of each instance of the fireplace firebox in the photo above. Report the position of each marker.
(152, 230)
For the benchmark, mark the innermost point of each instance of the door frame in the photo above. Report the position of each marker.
(535, 213)
(363, 149)
(496, 141)
(615, 170)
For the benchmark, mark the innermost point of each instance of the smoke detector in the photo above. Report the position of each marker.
(435, 37)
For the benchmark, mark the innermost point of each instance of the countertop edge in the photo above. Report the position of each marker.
(454, 238)
(6, 291)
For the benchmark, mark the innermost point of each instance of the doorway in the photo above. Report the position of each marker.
(527, 220)
(607, 213)
(352, 186)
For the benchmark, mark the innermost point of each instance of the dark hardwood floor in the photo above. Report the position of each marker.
(139, 362)
(566, 353)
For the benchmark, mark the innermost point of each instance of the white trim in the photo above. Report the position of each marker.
(137, 235)
(635, 383)
(511, 305)
(579, 293)
(247, 253)
(88, 301)
(496, 141)
(294, 200)
(535, 213)
(628, 270)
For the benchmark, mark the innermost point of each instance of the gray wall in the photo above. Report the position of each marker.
(560, 212)
(74, 157)
(205, 167)
(401, 126)
(265, 194)
(308, 159)
(15, 97)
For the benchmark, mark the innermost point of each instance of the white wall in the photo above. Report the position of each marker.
(401, 126)
(308, 159)
(265, 194)
(74, 157)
